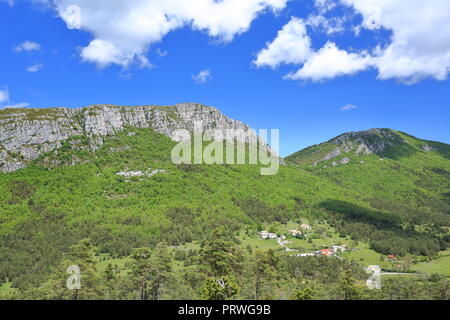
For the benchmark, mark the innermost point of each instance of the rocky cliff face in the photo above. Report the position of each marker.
(347, 146)
(373, 141)
(25, 134)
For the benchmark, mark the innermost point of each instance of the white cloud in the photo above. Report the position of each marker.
(327, 25)
(35, 67)
(324, 5)
(17, 106)
(349, 107)
(419, 46)
(202, 77)
(161, 53)
(124, 30)
(420, 42)
(330, 62)
(4, 95)
(4, 100)
(28, 46)
(105, 53)
(291, 46)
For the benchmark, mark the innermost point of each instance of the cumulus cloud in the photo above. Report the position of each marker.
(349, 107)
(291, 46)
(105, 53)
(420, 42)
(124, 30)
(418, 48)
(28, 46)
(35, 67)
(202, 77)
(330, 62)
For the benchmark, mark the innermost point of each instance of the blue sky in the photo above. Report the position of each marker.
(331, 54)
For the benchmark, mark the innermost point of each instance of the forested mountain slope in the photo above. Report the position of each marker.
(380, 186)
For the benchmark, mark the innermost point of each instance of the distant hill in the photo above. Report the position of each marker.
(386, 143)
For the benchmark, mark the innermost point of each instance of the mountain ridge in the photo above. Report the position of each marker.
(383, 142)
(26, 134)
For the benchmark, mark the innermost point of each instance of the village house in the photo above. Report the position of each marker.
(263, 233)
(306, 254)
(295, 233)
(391, 257)
(373, 269)
(267, 235)
(326, 252)
(337, 249)
(305, 227)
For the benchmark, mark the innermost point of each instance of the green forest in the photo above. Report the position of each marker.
(191, 231)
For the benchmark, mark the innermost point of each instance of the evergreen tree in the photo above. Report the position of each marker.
(151, 271)
(347, 284)
(265, 269)
(81, 257)
(223, 288)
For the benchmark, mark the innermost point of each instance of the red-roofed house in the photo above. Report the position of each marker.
(326, 252)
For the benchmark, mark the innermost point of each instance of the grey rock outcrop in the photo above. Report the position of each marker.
(25, 134)
(427, 148)
(373, 141)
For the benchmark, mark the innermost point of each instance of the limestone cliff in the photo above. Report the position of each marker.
(25, 134)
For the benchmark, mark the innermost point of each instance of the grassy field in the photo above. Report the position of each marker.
(257, 243)
(4, 288)
(441, 266)
(365, 256)
(121, 263)
(360, 253)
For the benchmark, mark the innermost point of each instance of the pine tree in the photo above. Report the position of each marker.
(81, 257)
(347, 284)
(265, 269)
(151, 270)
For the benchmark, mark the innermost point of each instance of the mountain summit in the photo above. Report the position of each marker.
(384, 142)
(26, 134)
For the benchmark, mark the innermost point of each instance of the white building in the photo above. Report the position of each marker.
(306, 227)
(267, 235)
(339, 248)
(373, 269)
(306, 254)
(294, 232)
(264, 234)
